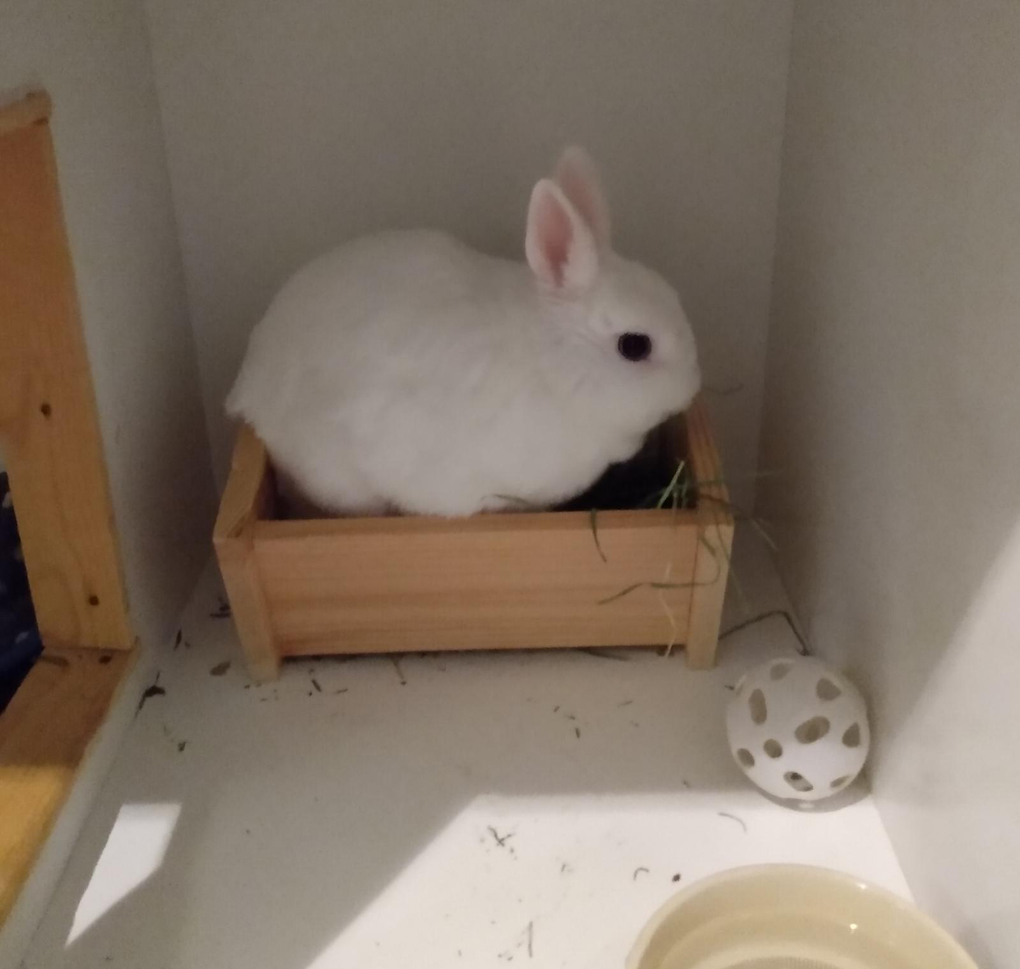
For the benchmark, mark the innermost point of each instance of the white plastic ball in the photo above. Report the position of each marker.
(798, 728)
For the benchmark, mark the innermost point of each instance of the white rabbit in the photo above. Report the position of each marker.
(404, 371)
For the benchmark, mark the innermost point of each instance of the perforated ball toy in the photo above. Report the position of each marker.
(798, 728)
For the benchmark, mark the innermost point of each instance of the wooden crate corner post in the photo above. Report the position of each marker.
(248, 496)
(715, 542)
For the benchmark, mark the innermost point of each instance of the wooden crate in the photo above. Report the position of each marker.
(497, 581)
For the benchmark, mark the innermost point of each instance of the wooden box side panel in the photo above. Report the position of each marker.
(519, 582)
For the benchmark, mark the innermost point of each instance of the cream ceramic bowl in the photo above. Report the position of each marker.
(792, 917)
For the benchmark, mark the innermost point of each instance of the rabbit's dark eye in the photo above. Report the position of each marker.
(634, 347)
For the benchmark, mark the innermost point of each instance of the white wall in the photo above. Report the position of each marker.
(93, 58)
(893, 411)
(293, 125)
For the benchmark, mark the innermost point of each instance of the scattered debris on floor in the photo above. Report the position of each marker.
(501, 840)
(315, 683)
(676, 877)
(220, 668)
(150, 692)
(733, 817)
(174, 740)
(638, 871)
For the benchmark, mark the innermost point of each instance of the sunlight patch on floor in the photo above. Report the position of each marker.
(134, 852)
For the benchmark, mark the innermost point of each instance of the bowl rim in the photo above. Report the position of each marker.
(818, 872)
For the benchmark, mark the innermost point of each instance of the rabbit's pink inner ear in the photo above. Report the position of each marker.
(578, 176)
(559, 247)
(549, 235)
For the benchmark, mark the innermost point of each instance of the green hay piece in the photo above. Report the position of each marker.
(671, 488)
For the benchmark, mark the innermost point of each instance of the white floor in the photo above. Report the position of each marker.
(443, 811)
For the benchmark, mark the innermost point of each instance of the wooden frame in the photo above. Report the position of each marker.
(52, 446)
(48, 419)
(531, 580)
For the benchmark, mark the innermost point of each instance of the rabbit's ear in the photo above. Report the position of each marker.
(560, 247)
(578, 176)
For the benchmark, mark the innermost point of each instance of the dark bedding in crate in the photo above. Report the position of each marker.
(640, 482)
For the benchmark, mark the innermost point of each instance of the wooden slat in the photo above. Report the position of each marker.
(247, 497)
(44, 735)
(715, 540)
(48, 419)
(490, 582)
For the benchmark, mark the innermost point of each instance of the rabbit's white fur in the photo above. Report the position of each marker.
(405, 371)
